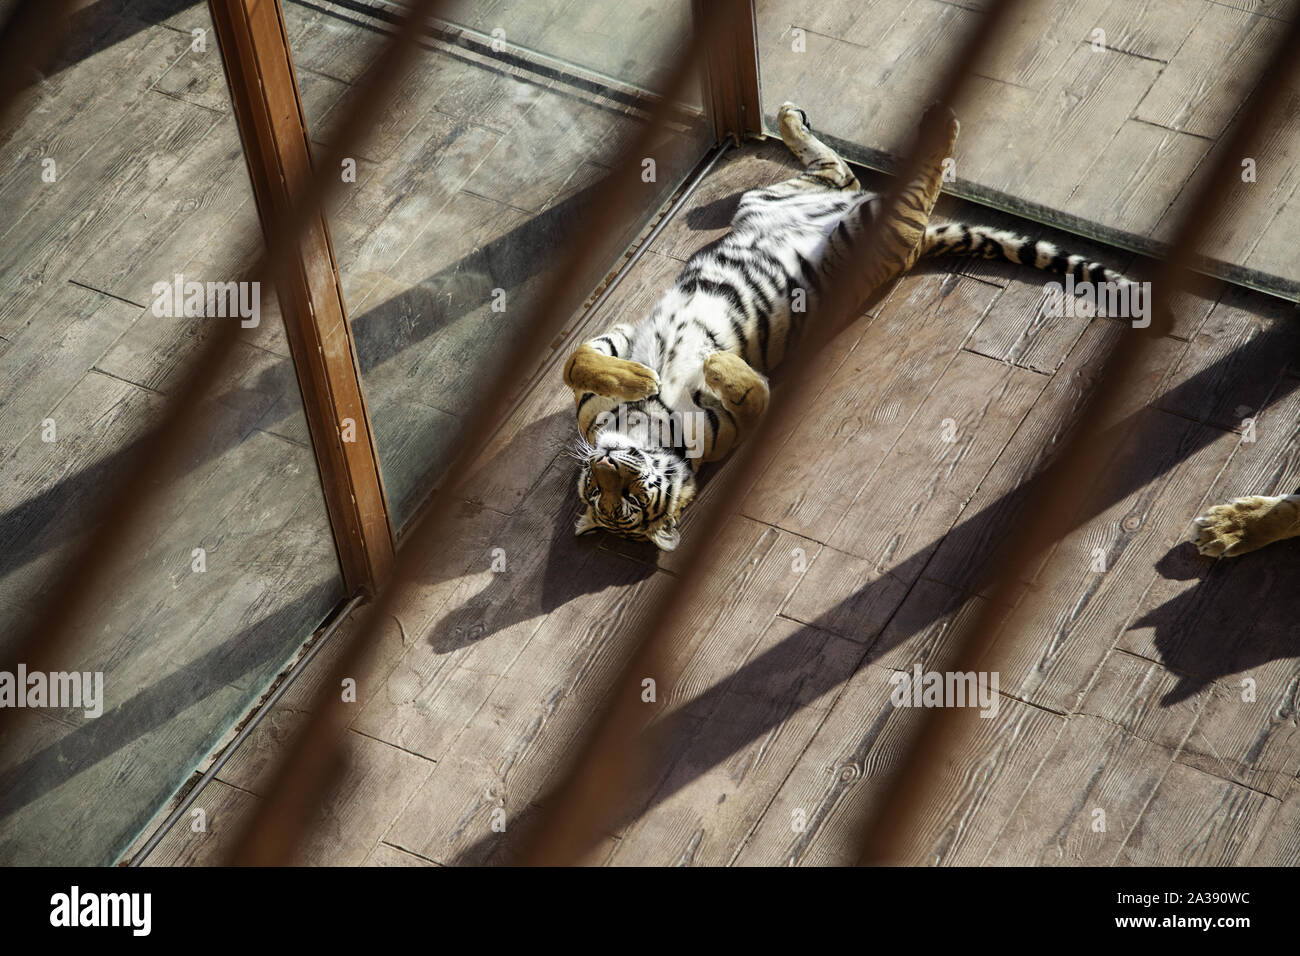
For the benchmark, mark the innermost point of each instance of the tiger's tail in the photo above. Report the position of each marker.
(985, 242)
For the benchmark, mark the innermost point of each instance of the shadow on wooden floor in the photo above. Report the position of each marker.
(551, 586)
(1240, 616)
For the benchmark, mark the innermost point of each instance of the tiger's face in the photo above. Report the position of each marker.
(633, 491)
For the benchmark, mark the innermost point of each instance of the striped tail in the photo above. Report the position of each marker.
(983, 242)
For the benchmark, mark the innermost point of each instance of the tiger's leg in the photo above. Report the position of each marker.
(744, 394)
(596, 368)
(939, 128)
(1245, 524)
(825, 168)
(892, 247)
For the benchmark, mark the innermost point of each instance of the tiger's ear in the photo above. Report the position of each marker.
(586, 523)
(666, 536)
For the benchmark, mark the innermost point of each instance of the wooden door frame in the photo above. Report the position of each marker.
(268, 108)
(732, 93)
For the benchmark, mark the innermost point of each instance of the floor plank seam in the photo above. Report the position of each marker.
(981, 280)
(96, 370)
(816, 627)
(401, 849)
(1228, 778)
(389, 743)
(996, 79)
(284, 438)
(109, 295)
(385, 840)
(1256, 14)
(1010, 363)
(233, 786)
(188, 102)
(1170, 129)
(1011, 695)
(1110, 48)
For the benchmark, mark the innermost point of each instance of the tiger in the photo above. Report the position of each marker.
(657, 399)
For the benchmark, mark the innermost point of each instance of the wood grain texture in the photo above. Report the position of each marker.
(1278, 843)
(913, 498)
(867, 404)
(226, 810)
(851, 761)
(69, 218)
(707, 804)
(1196, 819)
(1063, 628)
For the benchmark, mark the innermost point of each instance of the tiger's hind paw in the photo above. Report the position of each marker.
(793, 120)
(732, 379)
(939, 124)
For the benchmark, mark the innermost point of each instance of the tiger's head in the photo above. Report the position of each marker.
(634, 491)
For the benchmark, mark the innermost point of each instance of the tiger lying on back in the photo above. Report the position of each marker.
(701, 355)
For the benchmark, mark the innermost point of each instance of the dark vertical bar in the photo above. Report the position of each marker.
(29, 42)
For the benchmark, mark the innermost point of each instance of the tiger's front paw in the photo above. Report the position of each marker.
(1245, 524)
(591, 371)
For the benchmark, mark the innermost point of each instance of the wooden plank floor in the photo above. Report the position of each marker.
(850, 560)
(1109, 128)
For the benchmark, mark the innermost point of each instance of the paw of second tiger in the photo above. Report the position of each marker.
(1244, 524)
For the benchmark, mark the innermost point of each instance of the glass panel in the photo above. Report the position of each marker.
(469, 189)
(629, 42)
(234, 564)
(1094, 116)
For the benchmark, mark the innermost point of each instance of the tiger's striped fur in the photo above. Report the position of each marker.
(738, 305)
